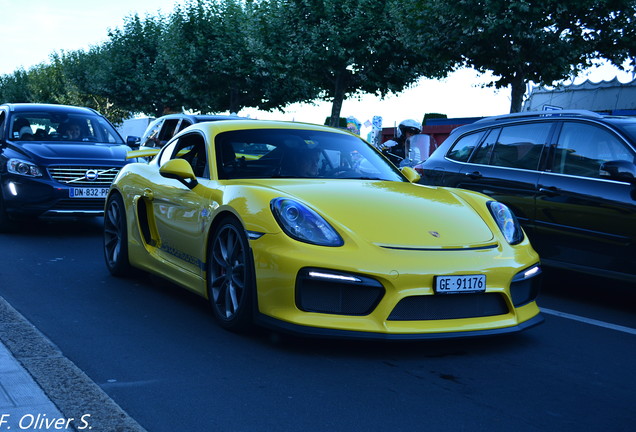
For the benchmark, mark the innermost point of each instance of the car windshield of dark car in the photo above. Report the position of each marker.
(62, 127)
(295, 153)
(629, 127)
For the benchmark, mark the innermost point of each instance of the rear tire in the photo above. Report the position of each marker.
(231, 287)
(116, 237)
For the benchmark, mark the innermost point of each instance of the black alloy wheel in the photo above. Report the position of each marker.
(230, 276)
(116, 237)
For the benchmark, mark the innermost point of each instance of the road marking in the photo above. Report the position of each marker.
(590, 321)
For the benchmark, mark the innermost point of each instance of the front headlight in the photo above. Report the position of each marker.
(506, 221)
(21, 167)
(303, 224)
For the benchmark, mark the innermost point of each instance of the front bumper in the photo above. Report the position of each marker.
(37, 196)
(394, 298)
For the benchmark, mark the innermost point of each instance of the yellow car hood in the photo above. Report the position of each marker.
(394, 214)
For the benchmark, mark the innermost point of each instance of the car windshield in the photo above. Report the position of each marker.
(60, 127)
(629, 127)
(295, 153)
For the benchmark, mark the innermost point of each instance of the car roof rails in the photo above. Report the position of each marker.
(547, 113)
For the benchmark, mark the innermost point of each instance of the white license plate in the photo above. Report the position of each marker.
(460, 284)
(88, 192)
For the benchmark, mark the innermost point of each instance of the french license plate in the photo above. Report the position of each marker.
(460, 284)
(88, 192)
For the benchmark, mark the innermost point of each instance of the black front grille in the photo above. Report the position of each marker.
(333, 296)
(448, 306)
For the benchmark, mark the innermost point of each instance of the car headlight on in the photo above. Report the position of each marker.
(506, 221)
(303, 224)
(21, 167)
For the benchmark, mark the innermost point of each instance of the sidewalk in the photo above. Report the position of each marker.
(23, 404)
(41, 390)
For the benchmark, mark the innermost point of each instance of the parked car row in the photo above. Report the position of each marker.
(311, 230)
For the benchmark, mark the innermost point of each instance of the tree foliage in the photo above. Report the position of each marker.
(343, 47)
(522, 40)
(224, 55)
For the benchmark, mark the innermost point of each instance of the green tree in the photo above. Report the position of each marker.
(520, 40)
(344, 47)
(14, 87)
(131, 70)
(213, 55)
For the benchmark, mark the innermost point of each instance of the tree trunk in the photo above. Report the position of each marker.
(235, 100)
(517, 93)
(338, 98)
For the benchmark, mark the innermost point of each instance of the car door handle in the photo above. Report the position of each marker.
(474, 175)
(148, 194)
(550, 191)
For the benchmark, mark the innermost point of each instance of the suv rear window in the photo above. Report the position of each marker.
(462, 150)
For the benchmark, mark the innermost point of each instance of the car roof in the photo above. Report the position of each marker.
(238, 124)
(24, 107)
(201, 117)
(543, 116)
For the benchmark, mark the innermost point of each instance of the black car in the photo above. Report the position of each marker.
(569, 176)
(55, 160)
(161, 130)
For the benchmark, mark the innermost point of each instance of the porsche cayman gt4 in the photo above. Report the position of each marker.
(310, 230)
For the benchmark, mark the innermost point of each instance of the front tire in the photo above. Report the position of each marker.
(116, 237)
(230, 276)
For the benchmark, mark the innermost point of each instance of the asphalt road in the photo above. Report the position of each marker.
(155, 350)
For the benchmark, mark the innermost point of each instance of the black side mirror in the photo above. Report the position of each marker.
(133, 141)
(620, 170)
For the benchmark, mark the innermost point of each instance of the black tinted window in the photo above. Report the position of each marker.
(583, 148)
(463, 148)
(484, 153)
(295, 153)
(520, 146)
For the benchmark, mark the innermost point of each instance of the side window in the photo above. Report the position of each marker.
(3, 117)
(520, 146)
(190, 147)
(583, 148)
(184, 124)
(484, 153)
(463, 148)
(151, 138)
(167, 131)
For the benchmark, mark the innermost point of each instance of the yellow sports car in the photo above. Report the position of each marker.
(310, 230)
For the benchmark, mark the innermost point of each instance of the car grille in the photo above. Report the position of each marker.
(448, 306)
(79, 175)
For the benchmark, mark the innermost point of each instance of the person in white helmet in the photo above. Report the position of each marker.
(398, 149)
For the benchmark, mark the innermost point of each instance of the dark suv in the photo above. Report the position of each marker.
(569, 176)
(55, 160)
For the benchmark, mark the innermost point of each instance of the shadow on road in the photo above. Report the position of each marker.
(59, 227)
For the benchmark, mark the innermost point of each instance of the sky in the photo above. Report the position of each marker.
(32, 30)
